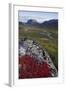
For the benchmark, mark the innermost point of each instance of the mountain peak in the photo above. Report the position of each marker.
(32, 21)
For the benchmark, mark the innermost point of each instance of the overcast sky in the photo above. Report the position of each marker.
(24, 16)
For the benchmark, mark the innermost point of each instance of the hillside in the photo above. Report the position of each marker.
(46, 24)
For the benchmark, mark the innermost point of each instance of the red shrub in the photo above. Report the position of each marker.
(31, 68)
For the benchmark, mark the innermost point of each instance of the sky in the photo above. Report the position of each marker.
(24, 16)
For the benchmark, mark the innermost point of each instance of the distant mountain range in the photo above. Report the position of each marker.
(46, 24)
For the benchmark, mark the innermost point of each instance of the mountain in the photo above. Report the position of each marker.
(32, 22)
(50, 24)
(20, 23)
(46, 24)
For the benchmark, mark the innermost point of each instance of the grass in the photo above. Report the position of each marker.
(50, 44)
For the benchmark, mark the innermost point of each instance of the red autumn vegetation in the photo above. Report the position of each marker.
(31, 68)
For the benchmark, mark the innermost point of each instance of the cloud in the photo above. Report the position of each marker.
(24, 16)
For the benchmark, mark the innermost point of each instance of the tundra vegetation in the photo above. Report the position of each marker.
(46, 34)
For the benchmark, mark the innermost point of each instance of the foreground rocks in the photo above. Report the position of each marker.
(34, 62)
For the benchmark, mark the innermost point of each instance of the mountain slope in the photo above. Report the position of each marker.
(51, 24)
